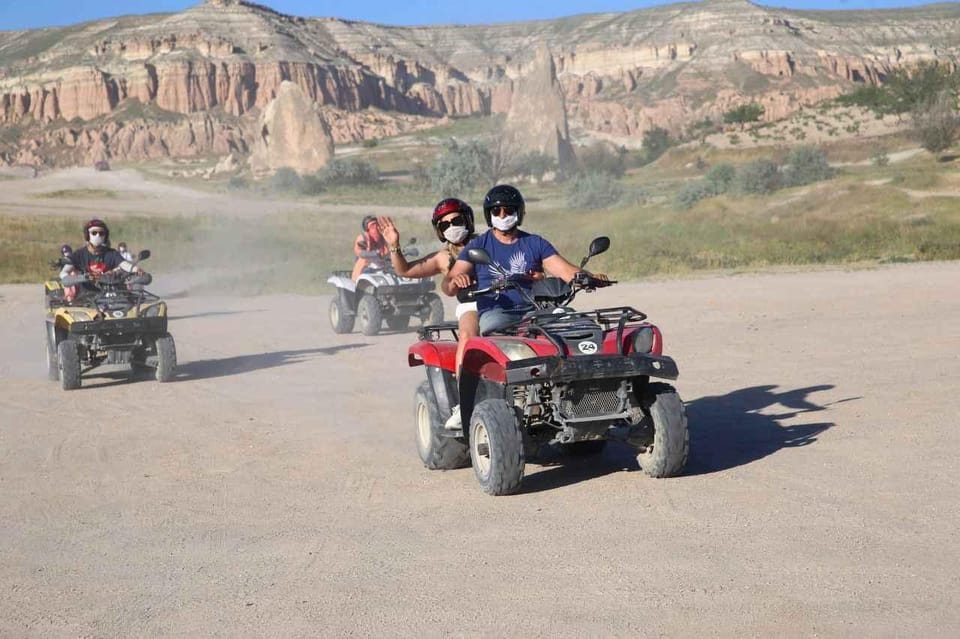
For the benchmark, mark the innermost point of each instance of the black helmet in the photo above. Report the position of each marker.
(366, 221)
(503, 195)
(94, 224)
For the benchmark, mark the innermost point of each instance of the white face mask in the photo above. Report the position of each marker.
(96, 240)
(505, 223)
(455, 234)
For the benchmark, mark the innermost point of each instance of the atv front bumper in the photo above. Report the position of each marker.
(569, 369)
(121, 327)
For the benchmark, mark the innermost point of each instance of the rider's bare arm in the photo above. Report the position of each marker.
(424, 267)
(557, 266)
(460, 276)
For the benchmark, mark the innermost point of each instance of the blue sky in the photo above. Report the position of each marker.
(24, 14)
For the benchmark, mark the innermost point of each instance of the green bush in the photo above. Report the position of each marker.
(806, 164)
(237, 183)
(370, 143)
(593, 191)
(757, 178)
(461, 169)
(692, 193)
(743, 114)
(533, 165)
(349, 172)
(285, 180)
(880, 158)
(313, 185)
(721, 177)
(601, 158)
(656, 141)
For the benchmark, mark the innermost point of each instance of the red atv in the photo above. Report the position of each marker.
(557, 377)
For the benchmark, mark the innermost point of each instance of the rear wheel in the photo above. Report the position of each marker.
(340, 318)
(666, 454)
(68, 354)
(436, 451)
(435, 312)
(166, 358)
(496, 447)
(369, 315)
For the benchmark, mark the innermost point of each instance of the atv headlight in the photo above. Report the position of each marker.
(643, 340)
(152, 311)
(514, 350)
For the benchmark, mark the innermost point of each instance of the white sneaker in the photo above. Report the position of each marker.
(454, 422)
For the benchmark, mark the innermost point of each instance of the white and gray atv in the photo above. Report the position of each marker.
(380, 295)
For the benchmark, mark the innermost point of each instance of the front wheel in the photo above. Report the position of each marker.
(68, 354)
(50, 349)
(666, 454)
(496, 447)
(436, 451)
(340, 318)
(370, 315)
(166, 358)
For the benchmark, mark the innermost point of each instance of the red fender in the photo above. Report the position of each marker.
(610, 339)
(439, 354)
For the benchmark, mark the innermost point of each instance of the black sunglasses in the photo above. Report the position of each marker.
(443, 225)
(94, 232)
(500, 211)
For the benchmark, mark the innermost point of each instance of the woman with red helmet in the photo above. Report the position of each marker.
(452, 221)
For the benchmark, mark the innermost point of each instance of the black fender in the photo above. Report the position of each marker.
(473, 390)
(444, 386)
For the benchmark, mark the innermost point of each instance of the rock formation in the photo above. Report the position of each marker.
(537, 120)
(620, 73)
(291, 133)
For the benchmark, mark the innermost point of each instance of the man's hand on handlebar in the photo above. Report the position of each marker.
(463, 280)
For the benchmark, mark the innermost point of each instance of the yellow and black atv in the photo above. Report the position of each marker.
(111, 320)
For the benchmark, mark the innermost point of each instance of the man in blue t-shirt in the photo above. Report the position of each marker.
(514, 252)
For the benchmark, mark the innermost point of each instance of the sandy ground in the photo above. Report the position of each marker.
(274, 490)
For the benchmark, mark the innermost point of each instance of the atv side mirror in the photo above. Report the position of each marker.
(597, 246)
(479, 256)
(142, 255)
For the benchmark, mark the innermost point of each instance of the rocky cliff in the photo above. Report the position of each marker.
(222, 61)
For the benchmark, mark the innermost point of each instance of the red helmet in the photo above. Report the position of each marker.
(451, 205)
(96, 224)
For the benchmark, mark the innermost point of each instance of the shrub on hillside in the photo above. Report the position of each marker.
(721, 177)
(757, 178)
(349, 172)
(593, 191)
(285, 180)
(461, 169)
(602, 158)
(805, 165)
(692, 193)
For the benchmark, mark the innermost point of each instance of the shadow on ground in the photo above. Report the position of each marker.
(209, 368)
(730, 430)
(726, 431)
(214, 314)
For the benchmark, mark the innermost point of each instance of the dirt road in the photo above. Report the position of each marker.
(273, 489)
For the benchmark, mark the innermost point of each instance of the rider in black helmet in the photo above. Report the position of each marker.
(512, 250)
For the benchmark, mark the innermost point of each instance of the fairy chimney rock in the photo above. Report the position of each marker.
(537, 120)
(292, 133)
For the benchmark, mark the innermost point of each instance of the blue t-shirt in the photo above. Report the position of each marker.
(523, 256)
